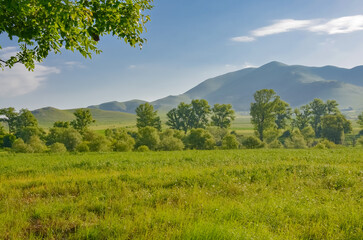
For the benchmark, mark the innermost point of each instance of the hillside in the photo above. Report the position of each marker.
(47, 116)
(295, 84)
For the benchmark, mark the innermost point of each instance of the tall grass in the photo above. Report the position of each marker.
(240, 194)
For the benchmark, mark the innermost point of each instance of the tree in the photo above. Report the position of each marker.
(180, 118)
(199, 114)
(318, 109)
(360, 120)
(302, 118)
(230, 142)
(222, 115)
(121, 140)
(9, 116)
(200, 138)
(41, 27)
(263, 110)
(148, 136)
(83, 120)
(283, 114)
(334, 127)
(147, 117)
(332, 107)
(61, 124)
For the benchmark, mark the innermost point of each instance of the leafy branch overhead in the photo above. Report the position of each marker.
(42, 26)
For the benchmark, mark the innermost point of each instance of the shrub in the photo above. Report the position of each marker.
(98, 143)
(230, 142)
(271, 135)
(200, 139)
(68, 136)
(360, 140)
(83, 147)
(309, 135)
(252, 142)
(58, 148)
(27, 133)
(171, 144)
(326, 144)
(121, 140)
(296, 140)
(37, 145)
(218, 134)
(275, 144)
(143, 148)
(8, 140)
(149, 137)
(19, 146)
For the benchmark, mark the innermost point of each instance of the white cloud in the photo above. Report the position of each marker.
(341, 25)
(74, 64)
(281, 26)
(19, 81)
(243, 39)
(132, 66)
(7, 52)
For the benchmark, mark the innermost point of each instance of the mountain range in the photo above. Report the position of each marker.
(295, 84)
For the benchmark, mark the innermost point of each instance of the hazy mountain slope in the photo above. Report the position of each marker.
(295, 84)
(128, 106)
(47, 116)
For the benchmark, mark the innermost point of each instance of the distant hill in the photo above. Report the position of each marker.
(295, 84)
(47, 116)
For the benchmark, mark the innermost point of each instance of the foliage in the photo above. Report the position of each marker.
(149, 137)
(68, 136)
(26, 133)
(61, 124)
(199, 114)
(222, 115)
(143, 148)
(334, 127)
(296, 140)
(43, 27)
(147, 117)
(9, 117)
(325, 144)
(309, 135)
(218, 134)
(83, 120)
(57, 148)
(283, 114)
(180, 118)
(121, 140)
(8, 140)
(275, 144)
(271, 135)
(302, 118)
(252, 142)
(360, 120)
(360, 140)
(263, 111)
(83, 147)
(19, 146)
(230, 142)
(318, 109)
(200, 138)
(37, 145)
(171, 143)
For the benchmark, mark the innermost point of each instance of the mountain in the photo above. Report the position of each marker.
(47, 116)
(295, 84)
(128, 107)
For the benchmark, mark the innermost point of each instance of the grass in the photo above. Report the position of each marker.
(239, 194)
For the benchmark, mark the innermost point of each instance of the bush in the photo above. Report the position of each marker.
(252, 142)
(19, 146)
(121, 140)
(58, 148)
(323, 144)
(83, 147)
(200, 139)
(37, 145)
(27, 132)
(309, 135)
(230, 142)
(271, 135)
(143, 148)
(360, 141)
(218, 134)
(149, 137)
(99, 144)
(68, 136)
(296, 140)
(8, 140)
(171, 144)
(275, 144)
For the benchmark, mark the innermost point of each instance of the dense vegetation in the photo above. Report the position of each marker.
(191, 126)
(234, 194)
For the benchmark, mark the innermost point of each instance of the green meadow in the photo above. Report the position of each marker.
(236, 194)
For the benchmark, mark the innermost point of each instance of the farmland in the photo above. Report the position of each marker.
(235, 194)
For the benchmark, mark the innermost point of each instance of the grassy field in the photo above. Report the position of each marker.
(240, 194)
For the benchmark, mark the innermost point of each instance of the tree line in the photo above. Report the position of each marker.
(194, 125)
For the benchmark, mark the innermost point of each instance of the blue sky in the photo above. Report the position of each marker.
(188, 42)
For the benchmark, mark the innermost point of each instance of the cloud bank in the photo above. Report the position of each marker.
(19, 81)
(341, 25)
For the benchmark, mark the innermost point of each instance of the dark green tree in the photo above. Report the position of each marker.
(9, 116)
(222, 115)
(42, 27)
(334, 127)
(180, 118)
(283, 114)
(200, 112)
(318, 109)
(263, 110)
(61, 124)
(83, 120)
(302, 117)
(147, 117)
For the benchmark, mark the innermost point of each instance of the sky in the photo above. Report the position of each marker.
(188, 42)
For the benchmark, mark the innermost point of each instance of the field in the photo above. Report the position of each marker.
(239, 194)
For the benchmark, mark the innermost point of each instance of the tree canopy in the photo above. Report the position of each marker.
(41, 26)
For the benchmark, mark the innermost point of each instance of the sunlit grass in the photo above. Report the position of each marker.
(240, 194)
